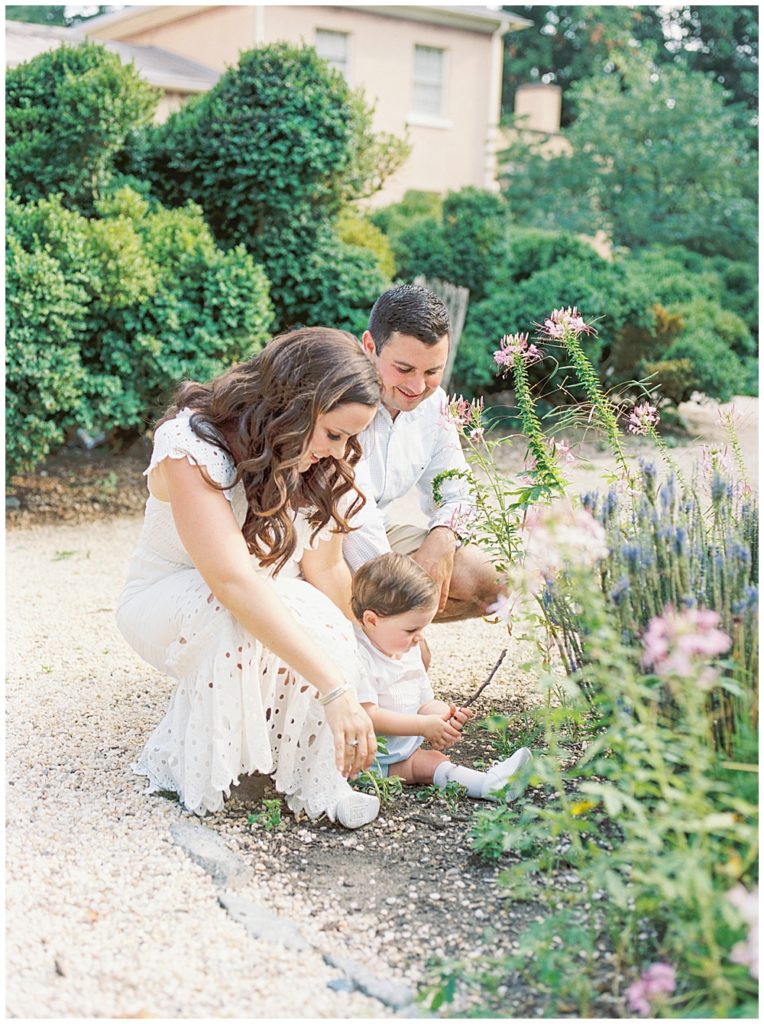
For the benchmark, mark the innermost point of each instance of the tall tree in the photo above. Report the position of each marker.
(569, 43)
(723, 42)
(657, 156)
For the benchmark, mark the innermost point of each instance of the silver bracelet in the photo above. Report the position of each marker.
(327, 698)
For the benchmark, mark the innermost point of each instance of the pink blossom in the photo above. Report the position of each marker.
(513, 345)
(643, 418)
(657, 982)
(564, 451)
(462, 413)
(562, 321)
(463, 521)
(560, 537)
(501, 608)
(675, 642)
(746, 952)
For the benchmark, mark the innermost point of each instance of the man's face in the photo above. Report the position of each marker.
(410, 370)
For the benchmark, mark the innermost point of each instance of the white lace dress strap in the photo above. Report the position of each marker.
(176, 439)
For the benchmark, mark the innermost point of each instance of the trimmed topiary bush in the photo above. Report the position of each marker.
(272, 153)
(69, 114)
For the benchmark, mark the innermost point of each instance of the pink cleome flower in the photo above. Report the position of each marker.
(565, 321)
(643, 418)
(462, 413)
(564, 451)
(561, 537)
(657, 982)
(675, 642)
(516, 345)
(746, 952)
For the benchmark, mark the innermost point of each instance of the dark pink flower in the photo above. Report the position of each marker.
(643, 418)
(562, 321)
(513, 345)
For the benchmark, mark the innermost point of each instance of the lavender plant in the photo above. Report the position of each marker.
(656, 813)
(663, 851)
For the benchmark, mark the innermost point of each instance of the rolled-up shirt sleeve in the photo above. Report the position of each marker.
(457, 502)
(369, 536)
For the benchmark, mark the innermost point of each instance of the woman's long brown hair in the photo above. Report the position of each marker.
(262, 412)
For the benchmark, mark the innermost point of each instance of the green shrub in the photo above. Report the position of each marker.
(740, 283)
(396, 218)
(44, 373)
(152, 300)
(338, 285)
(532, 249)
(474, 231)
(69, 114)
(706, 318)
(422, 248)
(597, 288)
(357, 229)
(271, 153)
(716, 371)
(461, 240)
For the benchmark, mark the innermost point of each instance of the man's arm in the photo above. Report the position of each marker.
(370, 537)
(455, 504)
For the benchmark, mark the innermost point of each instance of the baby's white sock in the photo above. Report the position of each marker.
(448, 772)
(484, 785)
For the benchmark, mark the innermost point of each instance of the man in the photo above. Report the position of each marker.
(410, 442)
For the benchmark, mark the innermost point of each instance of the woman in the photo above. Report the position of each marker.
(237, 587)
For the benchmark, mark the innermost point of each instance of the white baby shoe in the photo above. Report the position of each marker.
(496, 778)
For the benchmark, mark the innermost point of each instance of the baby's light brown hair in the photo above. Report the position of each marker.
(390, 585)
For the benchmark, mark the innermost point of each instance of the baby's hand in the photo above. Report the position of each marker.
(439, 730)
(460, 716)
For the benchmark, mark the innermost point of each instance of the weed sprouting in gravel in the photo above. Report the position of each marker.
(269, 817)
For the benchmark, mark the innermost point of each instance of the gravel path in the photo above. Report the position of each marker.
(107, 916)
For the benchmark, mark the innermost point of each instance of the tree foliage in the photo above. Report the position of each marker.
(677, 171)
(569, 43)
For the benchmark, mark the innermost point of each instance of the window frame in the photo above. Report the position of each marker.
(420, 117)
(344, 71)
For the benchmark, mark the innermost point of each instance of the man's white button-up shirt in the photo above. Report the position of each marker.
(399, 454)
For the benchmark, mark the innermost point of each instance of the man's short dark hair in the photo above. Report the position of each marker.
(408, 309)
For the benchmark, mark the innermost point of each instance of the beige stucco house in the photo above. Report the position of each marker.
(178, 77)
(433, 72)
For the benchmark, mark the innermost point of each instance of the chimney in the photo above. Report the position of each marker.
(540, 105)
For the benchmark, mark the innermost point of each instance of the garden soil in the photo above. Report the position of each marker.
(108, 917)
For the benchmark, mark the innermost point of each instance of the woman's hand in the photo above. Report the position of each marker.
(350, 723)
(439, 731)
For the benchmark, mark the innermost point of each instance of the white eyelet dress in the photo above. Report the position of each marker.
(237, 708)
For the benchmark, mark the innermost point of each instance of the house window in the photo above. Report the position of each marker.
(334, 47)
(429, 79)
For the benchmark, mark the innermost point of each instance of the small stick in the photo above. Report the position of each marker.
(482, 686)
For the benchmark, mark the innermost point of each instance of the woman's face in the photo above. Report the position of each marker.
(332, 432)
